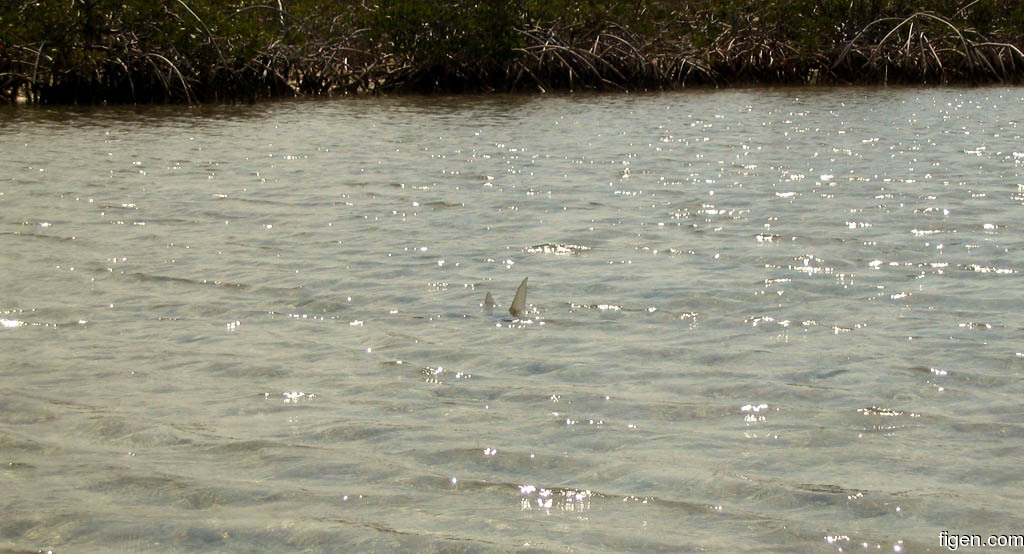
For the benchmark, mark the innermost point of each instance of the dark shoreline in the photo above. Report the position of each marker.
(138, 51)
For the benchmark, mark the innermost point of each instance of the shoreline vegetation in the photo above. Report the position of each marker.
(188, 51)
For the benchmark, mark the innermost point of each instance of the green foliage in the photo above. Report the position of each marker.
(434, 33)
(201, 50)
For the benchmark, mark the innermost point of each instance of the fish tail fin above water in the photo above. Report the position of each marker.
(518, 307)
(489, 301)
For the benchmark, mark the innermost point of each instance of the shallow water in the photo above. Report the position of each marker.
(760, 320)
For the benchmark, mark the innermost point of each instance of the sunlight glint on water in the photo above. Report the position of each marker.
(758, 320)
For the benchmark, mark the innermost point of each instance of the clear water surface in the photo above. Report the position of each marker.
(760, 320)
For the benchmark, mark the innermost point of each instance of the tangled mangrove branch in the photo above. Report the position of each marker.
(925, 47)
(84, 51)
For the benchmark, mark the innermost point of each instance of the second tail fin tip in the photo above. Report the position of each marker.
(518, 307)
(489, 301)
